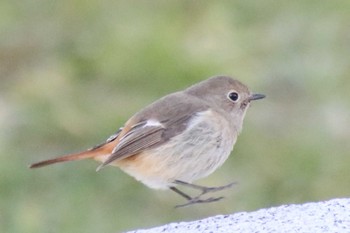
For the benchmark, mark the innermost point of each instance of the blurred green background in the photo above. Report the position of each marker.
(73, 71)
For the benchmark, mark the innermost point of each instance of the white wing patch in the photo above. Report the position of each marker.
(153, 123)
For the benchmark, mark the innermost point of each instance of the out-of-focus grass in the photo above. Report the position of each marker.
(73, 71)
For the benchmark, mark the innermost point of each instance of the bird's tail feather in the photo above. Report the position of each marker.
(101, 150)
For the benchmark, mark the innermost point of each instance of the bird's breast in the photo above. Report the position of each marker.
(195, 153)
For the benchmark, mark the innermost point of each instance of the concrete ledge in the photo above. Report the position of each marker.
(327, 216)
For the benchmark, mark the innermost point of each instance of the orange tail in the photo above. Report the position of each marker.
(104, 149)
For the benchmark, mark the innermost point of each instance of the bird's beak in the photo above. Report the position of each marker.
(256, 97)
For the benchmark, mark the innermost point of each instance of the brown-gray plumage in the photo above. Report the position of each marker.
(180, 138)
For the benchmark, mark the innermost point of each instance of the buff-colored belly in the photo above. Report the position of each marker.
(192, 155)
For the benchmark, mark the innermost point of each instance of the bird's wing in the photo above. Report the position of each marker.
(145, 135)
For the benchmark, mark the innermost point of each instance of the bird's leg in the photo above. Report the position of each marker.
(196, 199)
(205, 189)
(181, 193)
(193, 200)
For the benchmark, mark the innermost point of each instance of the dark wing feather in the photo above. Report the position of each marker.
(142, 137)
(173, 112)
(137, 139)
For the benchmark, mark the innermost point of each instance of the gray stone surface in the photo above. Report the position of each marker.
(327, 216)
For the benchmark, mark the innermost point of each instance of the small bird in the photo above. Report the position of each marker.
(178, 139)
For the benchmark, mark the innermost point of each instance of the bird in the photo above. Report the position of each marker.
(178, 139)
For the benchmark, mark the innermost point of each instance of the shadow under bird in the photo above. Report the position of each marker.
(178, 139)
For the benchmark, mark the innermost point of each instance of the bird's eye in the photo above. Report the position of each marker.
(233, 96)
